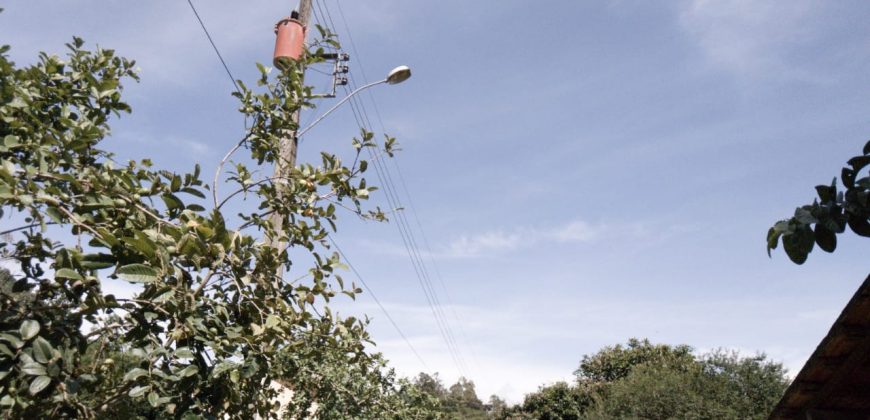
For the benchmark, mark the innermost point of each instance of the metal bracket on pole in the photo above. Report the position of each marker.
(339, 70)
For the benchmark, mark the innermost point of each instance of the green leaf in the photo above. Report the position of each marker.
(859, 225)
(139, 391)
(28, 329)
(39, 384)
(153, 399)
(66, 273)
(826, 193)
(135, 374)
(33, 369)
(772, 239)
(15, 341)
(859, 162)
(97, 261)
(826, 239)
(193, 191)
(804, 216)
(137, 273)
(272, 321)
(188, 371)
(54, 214)
(41, 350)
(164, 297)
(183, 353)
(142, 244)
(798, 245)
(221, 368)
(172, 202)
(175, 184)
(848, 177)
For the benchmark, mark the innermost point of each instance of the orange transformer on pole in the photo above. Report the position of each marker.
(289, 43)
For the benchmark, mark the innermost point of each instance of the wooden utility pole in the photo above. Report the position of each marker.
(287, 148)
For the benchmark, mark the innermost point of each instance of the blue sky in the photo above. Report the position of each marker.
(585, 172)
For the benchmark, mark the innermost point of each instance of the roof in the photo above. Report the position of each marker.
(835, 381)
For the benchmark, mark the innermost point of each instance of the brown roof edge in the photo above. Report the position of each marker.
(838, 359)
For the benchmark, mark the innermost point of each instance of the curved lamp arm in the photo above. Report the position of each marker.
(334, 107)
(396, 76)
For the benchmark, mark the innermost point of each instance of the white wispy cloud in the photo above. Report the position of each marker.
(753, 38)
(500, 241)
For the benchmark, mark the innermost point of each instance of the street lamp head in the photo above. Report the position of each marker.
(398, 75)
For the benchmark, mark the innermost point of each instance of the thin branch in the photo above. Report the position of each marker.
(204, 281)
(6, 232)
(241, 190)
(78, 222)
(217, 172)
(261, 215)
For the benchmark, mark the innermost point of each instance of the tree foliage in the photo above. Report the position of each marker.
(819, 223)
(211, 320)
(554, 402)
(645, 380)
(616, 362)
(338, 381)
(459, 401)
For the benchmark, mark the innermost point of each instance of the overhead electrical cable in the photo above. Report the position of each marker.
(377, 301)
(319, 18)
(459, 319)
(405, 231)
(395, 162)
(214, 46)
(417, 269)
(391, 190)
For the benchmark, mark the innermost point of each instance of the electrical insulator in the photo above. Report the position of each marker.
(342, 81)
(344, 57)
(344, 69)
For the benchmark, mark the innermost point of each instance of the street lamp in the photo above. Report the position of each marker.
(396, 76)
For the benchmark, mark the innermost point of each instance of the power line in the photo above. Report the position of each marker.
(377, 301)
(361, 69)
(459, 319)
(443, 328)
(408, 238)
(211, 41)
(362, 118)
(320, 17)
(402, 222)
(389, 177)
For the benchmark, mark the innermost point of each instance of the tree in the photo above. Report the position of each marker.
(460, 401)
(645, 380)
(821, 222)
(719, 385)
(497, 408)
(334, 380)
(212, 318)
(431, 384)
(616, 362)
(557, 401)
(463, 394)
